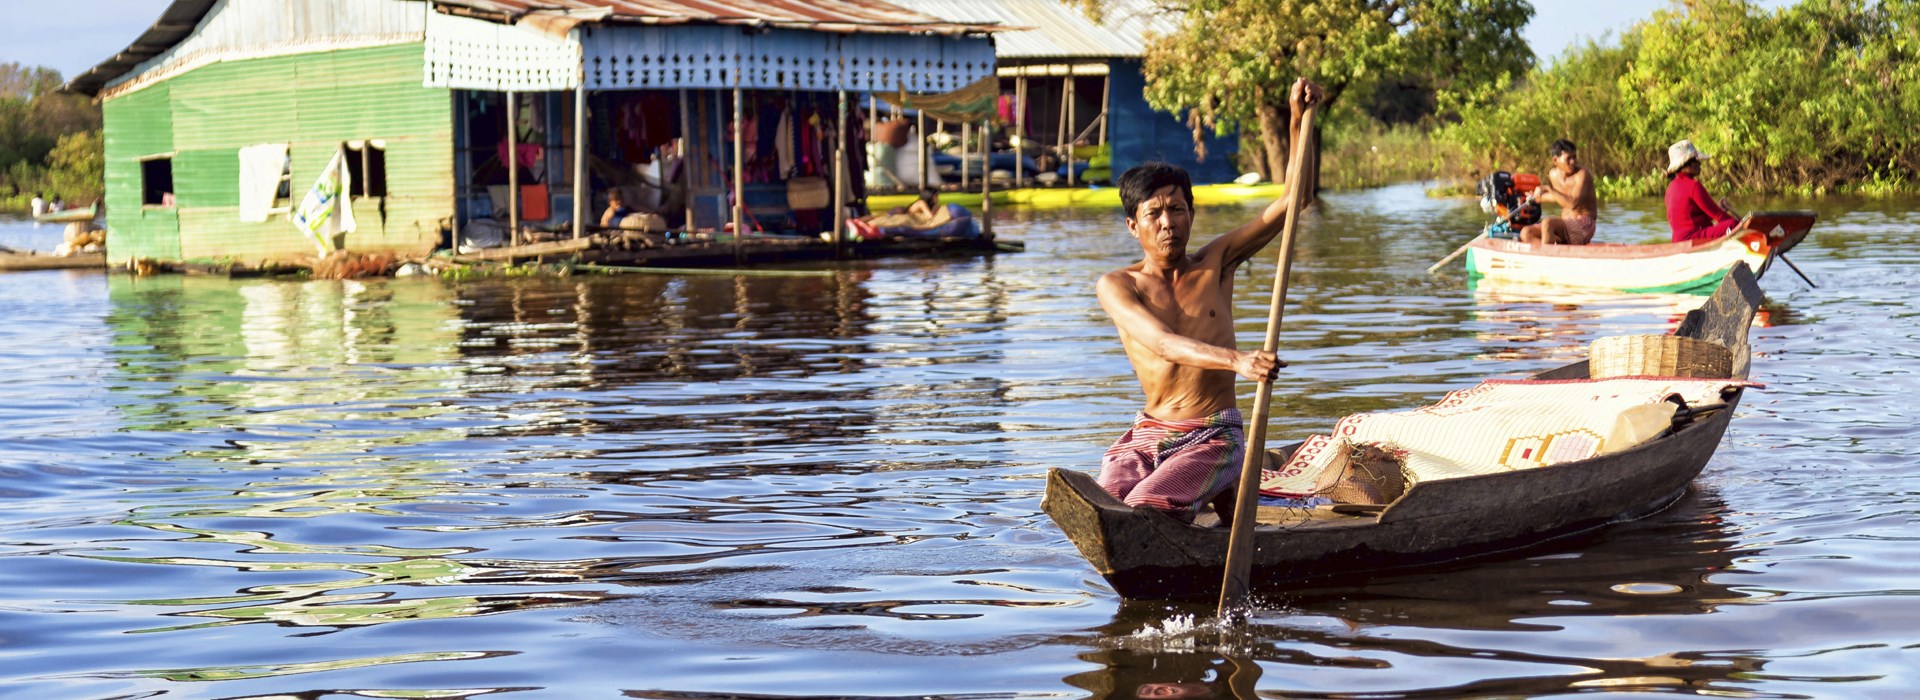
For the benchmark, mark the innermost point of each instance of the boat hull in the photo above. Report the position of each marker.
(66, 216)
(1684, 268)
(1144, 553)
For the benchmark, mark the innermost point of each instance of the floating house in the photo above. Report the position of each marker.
(255, 131)
(1073, 80)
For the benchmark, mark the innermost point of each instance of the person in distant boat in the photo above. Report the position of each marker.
(926, 205)
(39, 205)
(616, 209)
(1691, 212)
(1174, 312)
(1571, 187)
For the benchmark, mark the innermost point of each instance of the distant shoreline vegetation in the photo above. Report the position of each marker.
(1817, 98)
(50, 141)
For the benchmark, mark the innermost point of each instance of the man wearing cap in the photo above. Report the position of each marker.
(1691, 212)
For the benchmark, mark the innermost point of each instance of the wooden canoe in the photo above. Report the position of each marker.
(18, 260)
(1689, 267)
(1144, 553)
(63, 216)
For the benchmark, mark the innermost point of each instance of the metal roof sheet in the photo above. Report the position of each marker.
(175, 23)
(1059, 31)
(847, 16)
(181, 19)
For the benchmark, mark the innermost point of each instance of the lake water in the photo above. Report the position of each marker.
(705, 487)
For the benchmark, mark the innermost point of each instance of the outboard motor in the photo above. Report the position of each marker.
(1503, 195)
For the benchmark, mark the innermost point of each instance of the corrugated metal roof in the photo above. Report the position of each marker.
(847, 16)
(181, 19)
(175, 23)
(1059, 31)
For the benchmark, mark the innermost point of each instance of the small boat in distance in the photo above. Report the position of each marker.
(70, 215)
(1144, 553)
(1691, 267)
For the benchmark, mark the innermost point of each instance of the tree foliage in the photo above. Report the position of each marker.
(49, 140)
(1817, 96)
(1231, 61)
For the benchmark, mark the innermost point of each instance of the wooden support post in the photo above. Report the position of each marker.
(513, 168)
(920, 145)
(840, 176)
(1060, 139)
(686, 161)
(1106, 97)
(582, 195)
(739, 171)
(966, 134)
(1073, 126)
(986, 180)
(1019, 139)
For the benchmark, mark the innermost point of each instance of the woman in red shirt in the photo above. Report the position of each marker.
(1691, 212)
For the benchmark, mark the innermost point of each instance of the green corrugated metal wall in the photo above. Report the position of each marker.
(313, 102)
(140, 124)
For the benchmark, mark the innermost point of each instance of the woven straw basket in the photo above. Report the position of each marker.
(1658, 356)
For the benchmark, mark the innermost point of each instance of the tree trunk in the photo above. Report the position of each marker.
(1273, 139)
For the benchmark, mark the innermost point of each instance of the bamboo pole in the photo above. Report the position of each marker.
(1106, 106)
(966, 134)
(920, 145)
(1060, 137)
(686, 162)
(840, 175)
(1073, 125)
(739, 170)
(1019, 139)
(986, 179)
(513, 168)
(580, 192)
(1234, 585)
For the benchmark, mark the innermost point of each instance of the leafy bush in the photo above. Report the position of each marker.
(1819, 97)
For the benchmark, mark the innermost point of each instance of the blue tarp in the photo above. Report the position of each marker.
(1139, 134)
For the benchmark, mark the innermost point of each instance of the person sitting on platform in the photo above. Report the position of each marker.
(1691, 212)
(616, 209)
(1571, 187)
(1174, 313)
(926, 205)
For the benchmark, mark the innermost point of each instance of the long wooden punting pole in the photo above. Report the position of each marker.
(1233, 588)
(920, 147)
(580, 194)
(513, 168)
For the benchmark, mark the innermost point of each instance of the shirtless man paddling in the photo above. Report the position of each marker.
(1174, 311)
(1571, 187)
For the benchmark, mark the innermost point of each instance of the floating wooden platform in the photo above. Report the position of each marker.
(632, 248)
(16, 260)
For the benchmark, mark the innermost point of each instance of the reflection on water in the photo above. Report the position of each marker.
(698, 486)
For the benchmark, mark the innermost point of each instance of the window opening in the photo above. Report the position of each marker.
(156, 181)
(367, 168)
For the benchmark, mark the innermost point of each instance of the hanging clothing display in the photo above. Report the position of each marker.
(783, 144)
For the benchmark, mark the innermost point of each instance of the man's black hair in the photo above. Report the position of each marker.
(929, 193)
(1561, 146)
(1140, 182)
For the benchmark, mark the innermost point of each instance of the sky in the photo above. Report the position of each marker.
(73, 35)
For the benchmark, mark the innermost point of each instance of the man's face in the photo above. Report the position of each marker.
(1567, 162)
(1162, 223)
